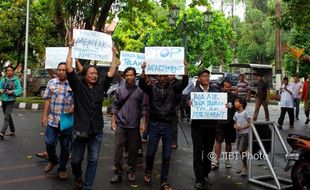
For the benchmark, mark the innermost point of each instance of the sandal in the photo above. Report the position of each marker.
(10, 134)
(43, 155)
(165, 186)
(147, 178)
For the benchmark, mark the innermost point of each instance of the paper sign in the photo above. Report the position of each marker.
(208, 105)
(131, 59)
(55, 55)
(164, 60)
(92, 45)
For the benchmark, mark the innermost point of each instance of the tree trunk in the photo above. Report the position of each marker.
(60, 23)
(104, 15)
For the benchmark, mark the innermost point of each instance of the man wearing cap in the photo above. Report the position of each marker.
(203, 135)
(243, 88)
(261, 98)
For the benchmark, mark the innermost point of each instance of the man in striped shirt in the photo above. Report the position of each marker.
(243, 88)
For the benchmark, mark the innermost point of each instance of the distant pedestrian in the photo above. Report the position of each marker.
(286, 103)
(203, 135)
(305, 97)
(243, 88)
(297, 87)
(10, 88)
(58, 100)
(127, 111)
(225, 128)
(162, 114)
(262, 95)
(89, 91)
(242, 126)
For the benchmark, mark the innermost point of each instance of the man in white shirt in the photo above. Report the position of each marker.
(297, 86)
(287, 103)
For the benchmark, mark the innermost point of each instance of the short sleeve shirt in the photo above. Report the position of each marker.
(241, 119)
(61, 96)
(262, 88)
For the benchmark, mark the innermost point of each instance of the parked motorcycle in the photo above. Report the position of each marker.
(300, 156)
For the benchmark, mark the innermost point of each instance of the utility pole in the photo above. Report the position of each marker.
(278, 48)
(26, 51)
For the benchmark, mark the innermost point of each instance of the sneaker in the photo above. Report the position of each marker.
(297, 118)
(78, 183)
(307, 121)
(215, 165)
(116, 179)
(49, 167)
(291, 126)
(131, 177)
(62, 175)
(227, 164)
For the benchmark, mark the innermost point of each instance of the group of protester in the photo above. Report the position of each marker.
(158, 103)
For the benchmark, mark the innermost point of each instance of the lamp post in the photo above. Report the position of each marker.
(174, 15)
(26, 51)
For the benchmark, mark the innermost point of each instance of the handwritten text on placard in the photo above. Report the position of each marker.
(131, 59)
(208, 105)
(164, 60)
(92, 45)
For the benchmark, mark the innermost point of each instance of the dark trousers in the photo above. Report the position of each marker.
(128, 138)
(290, 114)
(203, 141)
(7, 107)
(52, 134)
(175, 125)
(159, 130)
(296, 104)
(258, 103)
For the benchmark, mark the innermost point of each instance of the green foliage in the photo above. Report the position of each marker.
(297, 14)
(210, 45)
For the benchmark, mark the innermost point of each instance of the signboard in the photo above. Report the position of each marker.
(55, 55)
(131, 59)
(92, 45)
(208, 105)
(164, 60)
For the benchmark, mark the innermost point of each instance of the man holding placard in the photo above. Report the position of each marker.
(162, 112)
(203, 133)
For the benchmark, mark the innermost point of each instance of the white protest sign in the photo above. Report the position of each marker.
(208, 105)
(164, 60)
(131, 59)
(55, 55)
(92, 45)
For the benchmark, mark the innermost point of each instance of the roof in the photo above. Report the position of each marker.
(259, 66)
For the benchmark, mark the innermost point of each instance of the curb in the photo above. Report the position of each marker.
(33, 106)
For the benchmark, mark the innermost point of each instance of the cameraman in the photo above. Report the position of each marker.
(9, 89)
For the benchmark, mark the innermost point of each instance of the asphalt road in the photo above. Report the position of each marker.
(21, 169)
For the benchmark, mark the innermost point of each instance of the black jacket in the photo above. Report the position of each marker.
(162, 99)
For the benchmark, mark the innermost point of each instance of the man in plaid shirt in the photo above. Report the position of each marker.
(58, 99)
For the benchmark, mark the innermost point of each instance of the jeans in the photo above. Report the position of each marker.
(7, 107)
(93, 151)
(297, 103)
(52, 134)
(159, 130)
(203, 141)
(129, 138)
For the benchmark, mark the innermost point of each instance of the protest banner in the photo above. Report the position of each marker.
(208, 105)
(164, 60)
(92, 45)
(55, 55)
(131, 59)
